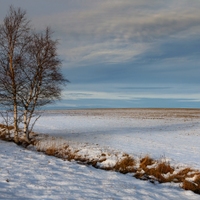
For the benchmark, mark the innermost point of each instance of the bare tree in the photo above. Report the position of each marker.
(30, 74)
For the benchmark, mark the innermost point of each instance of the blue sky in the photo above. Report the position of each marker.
(123, 53)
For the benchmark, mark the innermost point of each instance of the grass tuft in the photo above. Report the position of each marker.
(189, 185)
(154, 170)
(164, 168)
(51, 151)
(126, 165)
(144, 162)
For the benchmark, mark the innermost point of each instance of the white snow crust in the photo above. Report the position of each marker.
(171, 135)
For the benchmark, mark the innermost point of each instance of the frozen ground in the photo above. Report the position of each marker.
(31, 175)
(173, 134)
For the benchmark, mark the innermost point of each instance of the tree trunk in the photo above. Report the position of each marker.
(26, 132)
(16, 138)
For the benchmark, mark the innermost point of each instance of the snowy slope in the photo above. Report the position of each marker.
(26, 174)
(135, 132)
(31, 175)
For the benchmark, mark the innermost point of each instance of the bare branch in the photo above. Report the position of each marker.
(30, 74)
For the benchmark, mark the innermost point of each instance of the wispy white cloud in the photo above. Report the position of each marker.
(105, 52)
(112, 31)
(116, 31)
(149, 41)
(82, 95)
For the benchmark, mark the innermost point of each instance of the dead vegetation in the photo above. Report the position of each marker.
(125, 165)
(192, 185)
(51, 151)
(145, 169)
(5, 132)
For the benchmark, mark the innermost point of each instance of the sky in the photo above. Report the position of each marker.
(123, 53)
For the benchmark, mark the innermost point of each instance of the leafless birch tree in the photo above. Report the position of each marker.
(29, 70)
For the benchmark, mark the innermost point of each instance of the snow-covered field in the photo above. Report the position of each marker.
(171, 134)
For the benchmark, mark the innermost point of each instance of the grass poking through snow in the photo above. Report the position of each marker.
(125, 165)
(145, 168)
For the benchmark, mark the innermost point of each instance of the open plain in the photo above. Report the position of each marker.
(170, 135)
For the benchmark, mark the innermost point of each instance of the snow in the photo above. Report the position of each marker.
(174, 138)
(33, 175)
(26, 174)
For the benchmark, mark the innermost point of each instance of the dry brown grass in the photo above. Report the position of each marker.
(192, 185)
(5, 132)
(61, 152)
(126, 165)
(144, 162)
(183, 174)
(164, 168)
(160, 170)
(154, 170)
(71, 156)
(188, 185)
(141, 171)
(2, 126)
(51, 151)
(148, 169)
(163, 172)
